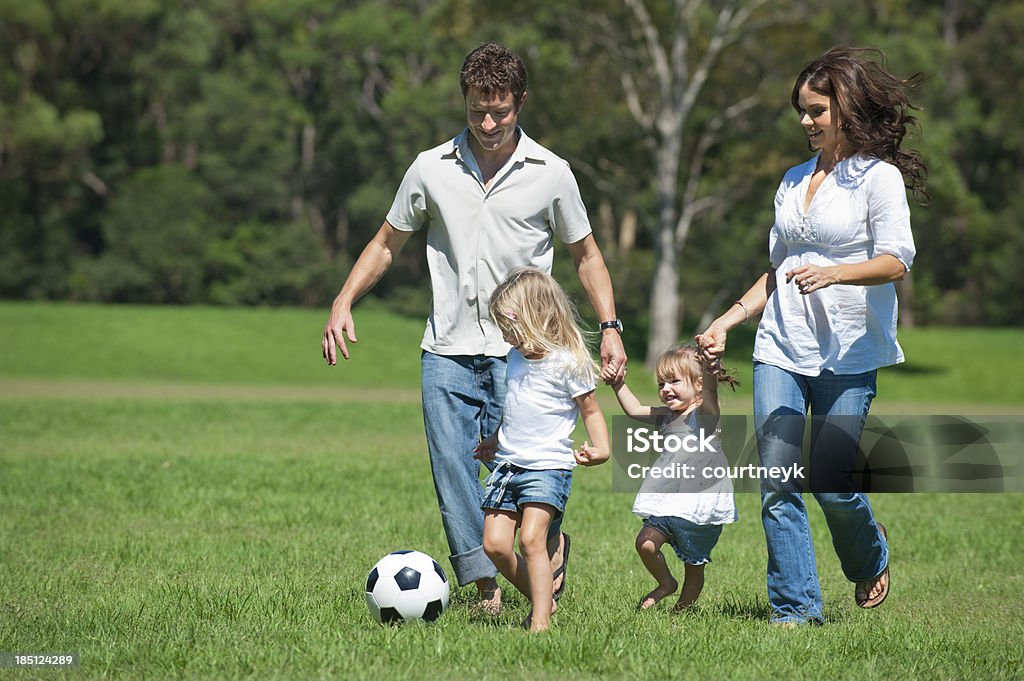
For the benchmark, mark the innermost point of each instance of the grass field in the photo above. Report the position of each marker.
(190, 493)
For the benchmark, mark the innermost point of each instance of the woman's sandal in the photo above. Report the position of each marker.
(860, 594)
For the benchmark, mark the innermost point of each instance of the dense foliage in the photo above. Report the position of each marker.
(243, 151)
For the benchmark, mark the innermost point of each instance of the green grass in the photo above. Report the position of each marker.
(255, 347)
(244, 346)
(204, 534)
(943, 366)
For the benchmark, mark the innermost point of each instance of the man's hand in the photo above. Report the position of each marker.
(486, 449)
(613, 357)
(340, 321)
(373, 262)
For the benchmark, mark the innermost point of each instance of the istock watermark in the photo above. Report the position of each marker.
(947, 453)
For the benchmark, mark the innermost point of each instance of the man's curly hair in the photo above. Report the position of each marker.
(494, 70)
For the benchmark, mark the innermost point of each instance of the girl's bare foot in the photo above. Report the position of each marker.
(529, 624)
(663, 590)
(684, 603)
(693, 584)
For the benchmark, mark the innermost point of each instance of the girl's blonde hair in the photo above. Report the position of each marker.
(532, 308)
(683, 361)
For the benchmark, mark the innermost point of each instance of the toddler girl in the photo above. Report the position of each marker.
(687, 513)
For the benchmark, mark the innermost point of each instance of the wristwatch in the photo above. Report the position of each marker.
(612, 324)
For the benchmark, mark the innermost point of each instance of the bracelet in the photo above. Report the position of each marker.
(746, 313)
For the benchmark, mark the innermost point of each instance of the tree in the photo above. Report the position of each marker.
(667, 62)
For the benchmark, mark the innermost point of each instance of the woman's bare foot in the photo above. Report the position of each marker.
(663, 590)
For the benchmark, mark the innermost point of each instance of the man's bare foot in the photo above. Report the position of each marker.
(663, 590)
(488, 599)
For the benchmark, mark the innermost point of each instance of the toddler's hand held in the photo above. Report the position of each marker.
(711, 343)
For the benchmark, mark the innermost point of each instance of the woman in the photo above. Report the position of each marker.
(841, 238)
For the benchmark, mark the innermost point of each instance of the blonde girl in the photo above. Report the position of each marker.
(550, 382)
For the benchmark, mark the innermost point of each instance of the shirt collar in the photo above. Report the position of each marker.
(526, 148)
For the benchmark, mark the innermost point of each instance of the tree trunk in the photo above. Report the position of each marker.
(665, 296)
(627, 233)
(606, 227)
(665, 300)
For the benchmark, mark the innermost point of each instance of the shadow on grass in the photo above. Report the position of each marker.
(918, 369)
(745, 609)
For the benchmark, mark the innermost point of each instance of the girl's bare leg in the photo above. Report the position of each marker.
(648, 544)
(499, 545)
(533, 539)
(693, 584)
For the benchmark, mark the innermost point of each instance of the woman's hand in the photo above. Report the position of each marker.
(712, 344)
(810, 278)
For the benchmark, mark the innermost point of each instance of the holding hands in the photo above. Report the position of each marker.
(589, 455)
(712, 345)
(613, 358)
(486, 449)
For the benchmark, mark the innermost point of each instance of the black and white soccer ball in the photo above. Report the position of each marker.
(406, 585)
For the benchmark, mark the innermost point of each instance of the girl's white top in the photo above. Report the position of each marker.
(859, 211)
(541, 411)
(713, 504)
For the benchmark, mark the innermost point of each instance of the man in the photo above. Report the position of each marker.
(491, 199)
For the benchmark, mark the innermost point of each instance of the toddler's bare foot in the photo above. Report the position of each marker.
(682, 605)
(663, 590)
(687, 597)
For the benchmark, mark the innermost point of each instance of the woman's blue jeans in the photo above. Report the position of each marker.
(839, 407)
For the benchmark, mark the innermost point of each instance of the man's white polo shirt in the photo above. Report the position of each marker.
(475, 236)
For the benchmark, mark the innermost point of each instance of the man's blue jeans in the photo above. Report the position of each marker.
(463, 397)
(839, 407)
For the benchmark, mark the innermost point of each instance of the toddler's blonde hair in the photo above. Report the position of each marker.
(683, 361)
(532, 308)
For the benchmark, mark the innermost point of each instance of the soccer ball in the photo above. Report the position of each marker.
(406, 585)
